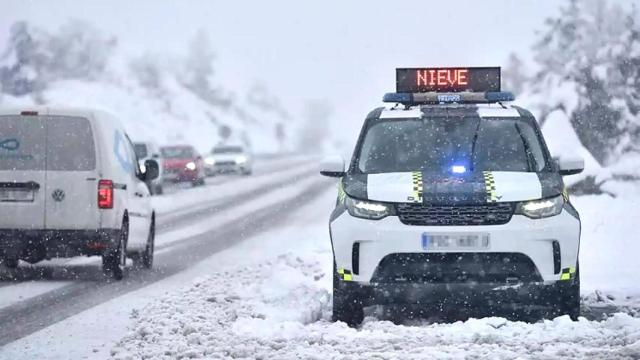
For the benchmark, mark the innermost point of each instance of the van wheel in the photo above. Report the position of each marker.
(115, 260)
(347, 307)
(147, 255)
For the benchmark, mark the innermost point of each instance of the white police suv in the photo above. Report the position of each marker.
(452, 199)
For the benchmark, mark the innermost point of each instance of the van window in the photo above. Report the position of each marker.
(22, 143)
(70, 145)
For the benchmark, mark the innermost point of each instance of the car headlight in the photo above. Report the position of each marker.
(143, 168)
(191, 165)
(241, 159)
(367, 209)
(209, 161)
(543, 208)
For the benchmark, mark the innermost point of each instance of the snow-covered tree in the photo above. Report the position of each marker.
(586, 67)
(18, 66)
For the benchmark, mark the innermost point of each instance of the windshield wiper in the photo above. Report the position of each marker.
(473, 145)
(531, 161)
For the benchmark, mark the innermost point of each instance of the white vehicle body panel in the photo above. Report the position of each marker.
(379, 238)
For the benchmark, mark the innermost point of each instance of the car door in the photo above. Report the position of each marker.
(22, 172)
(72, 176)
(139, 203)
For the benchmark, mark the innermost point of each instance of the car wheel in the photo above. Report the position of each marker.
(347, 307)
(114, 260)
(569, 295)
(147, 255)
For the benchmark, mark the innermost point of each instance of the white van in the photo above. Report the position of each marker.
(70, 185)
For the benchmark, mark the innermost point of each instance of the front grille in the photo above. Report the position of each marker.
(484, 214)
(171, 170)
(456, 268)
(225, 163)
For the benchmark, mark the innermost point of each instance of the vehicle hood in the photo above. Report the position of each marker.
(437, 188)
(175, 163)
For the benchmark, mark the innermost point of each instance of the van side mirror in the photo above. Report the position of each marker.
(570, 165)
(332, 166)
(152, 170)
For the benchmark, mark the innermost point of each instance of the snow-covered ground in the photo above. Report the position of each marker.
(273, 301)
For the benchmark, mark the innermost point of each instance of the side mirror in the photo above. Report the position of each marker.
(155, 156)
(570, 165)
(332, 166)
(152, 170)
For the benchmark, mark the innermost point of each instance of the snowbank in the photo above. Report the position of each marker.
(279, 309)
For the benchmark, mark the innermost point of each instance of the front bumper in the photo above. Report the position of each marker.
(226, 167)
(490, 297)
(379, 238)
(180, 176)
(33, 244)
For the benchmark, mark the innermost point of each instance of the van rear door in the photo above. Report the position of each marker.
(22, 172)
(72, 181)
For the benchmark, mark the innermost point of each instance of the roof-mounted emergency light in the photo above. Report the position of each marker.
(410, 99)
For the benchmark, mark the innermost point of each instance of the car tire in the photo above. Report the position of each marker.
(198, 182)
(347, 307)
(146, 256)
(114, 260)
(565, 299)
(569, 295)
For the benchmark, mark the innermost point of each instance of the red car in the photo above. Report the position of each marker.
(182, 163)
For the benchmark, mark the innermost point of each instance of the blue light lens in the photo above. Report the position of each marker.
(458, 169)
(403, 98)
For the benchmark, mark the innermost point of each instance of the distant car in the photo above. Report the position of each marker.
(150, 150)
(70, 185)
(228, 159)
(182, 163)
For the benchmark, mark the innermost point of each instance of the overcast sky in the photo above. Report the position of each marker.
(344, 51)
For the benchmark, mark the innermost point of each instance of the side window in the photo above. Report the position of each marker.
(134, 159)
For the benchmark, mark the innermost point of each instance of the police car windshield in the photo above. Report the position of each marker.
(435, 144)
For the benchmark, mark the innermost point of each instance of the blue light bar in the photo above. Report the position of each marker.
(499, 96)
(402, 98)
(410, 99)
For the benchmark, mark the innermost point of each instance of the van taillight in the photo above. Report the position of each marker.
(105, 194)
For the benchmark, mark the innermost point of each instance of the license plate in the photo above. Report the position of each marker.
(16, 195)
(454, 241)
